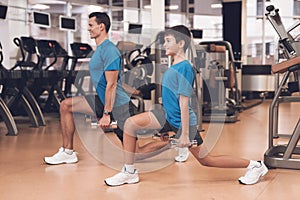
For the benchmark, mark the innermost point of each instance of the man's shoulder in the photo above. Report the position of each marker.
(108, 43)
(109, 47)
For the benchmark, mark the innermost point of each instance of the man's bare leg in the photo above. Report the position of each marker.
(66, 153)
(67, 108)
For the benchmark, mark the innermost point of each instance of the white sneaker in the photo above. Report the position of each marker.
(61, 157)
(183, 154)
(253, 174)
(122, 177)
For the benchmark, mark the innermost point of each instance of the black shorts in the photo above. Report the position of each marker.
(166, 127)
(96, 104)
(119, 113)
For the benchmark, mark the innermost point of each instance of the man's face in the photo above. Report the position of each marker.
(170, 45)
(94, 28)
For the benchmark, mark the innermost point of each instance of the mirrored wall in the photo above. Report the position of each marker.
(204, 15)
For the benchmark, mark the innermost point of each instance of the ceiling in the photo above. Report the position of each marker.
(202, 7)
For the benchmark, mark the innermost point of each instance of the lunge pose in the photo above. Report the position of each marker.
(178, 116)
(111, 100)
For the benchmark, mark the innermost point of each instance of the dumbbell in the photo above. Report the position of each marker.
(174, 142)
(112, 126)
(158, 135)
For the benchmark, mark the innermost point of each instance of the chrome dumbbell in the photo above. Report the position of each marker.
(174, 142)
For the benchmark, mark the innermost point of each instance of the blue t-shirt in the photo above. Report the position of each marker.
(177, 80)
(107, 58)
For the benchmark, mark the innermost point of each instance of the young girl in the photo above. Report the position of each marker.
(178, 116)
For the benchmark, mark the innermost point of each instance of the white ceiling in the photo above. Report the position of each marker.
(200, 6)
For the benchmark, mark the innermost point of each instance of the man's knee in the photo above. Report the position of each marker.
(65, 105)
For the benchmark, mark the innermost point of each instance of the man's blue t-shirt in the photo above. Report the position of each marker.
(177, 80)
(107, 58)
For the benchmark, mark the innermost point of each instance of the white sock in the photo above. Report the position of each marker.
(69, 151)
(129, 168)
(253, 163)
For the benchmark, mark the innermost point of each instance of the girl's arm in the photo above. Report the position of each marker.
(184, 140)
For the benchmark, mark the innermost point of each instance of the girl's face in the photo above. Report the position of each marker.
(171, 46)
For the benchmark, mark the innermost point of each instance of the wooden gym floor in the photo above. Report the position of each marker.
(23, 175)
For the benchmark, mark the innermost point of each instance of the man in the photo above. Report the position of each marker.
(111, 100)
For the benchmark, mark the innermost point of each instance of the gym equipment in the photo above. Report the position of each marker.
(174, 142)
(257, 81)
(30, 66)
(48, 72)
(222, 97)
(50, 80)
(138, 69)
(5, 113)
(16, 93)
(214, 130)
(234, 93)
(221, 75)
(77, 77)
(288, 46)
(95, 124)
(285, 155)
(125, 47)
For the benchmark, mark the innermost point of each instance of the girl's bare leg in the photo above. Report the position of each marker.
(144, 120)
(222, 161)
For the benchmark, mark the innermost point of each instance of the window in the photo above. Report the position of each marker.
(260, 8)
(296, 7)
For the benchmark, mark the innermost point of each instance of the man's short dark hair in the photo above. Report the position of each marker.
(180, 32)
(101, 17)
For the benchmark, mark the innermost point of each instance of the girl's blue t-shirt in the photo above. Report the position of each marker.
(107, 58)
(178, 80)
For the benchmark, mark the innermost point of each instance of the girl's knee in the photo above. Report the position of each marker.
(128, 123)
(204, 161)
(130, 127)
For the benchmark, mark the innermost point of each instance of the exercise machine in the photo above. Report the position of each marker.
(138, 69)
(16, 93)
(5, 113)
(284, 155)
(219, 75)
(52, 74)
(77, 75)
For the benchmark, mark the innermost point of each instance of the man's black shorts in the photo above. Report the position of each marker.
(119, 113)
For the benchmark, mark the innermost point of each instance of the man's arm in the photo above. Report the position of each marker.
(110, 94)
